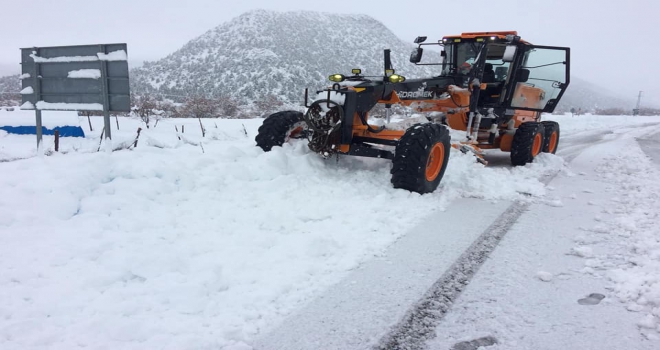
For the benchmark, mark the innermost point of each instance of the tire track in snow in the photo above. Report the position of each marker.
(420, 322)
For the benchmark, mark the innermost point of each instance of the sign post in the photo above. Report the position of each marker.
(104, 92)
(37, 92)
(75, 78)
(39, 128)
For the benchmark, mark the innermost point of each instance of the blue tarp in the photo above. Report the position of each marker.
(65, 131)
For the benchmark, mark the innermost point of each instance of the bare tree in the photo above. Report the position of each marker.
(228, 107)
(649, 111)
(144, 107)
(612, 111)
(267, 104)
(200, 107)
(169, 109)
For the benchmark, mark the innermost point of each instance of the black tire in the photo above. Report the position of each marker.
(276, 128)
(413, 161)
(550, 127)
(523, 146)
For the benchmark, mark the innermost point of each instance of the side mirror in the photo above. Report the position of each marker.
(420, 39)
(509, 53)
(443, 54)
(416, 55)
(522, 75)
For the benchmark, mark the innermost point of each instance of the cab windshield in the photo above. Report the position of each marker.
(460, 57)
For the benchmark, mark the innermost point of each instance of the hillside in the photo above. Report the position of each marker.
(9, 88)
(279, 53)
(588, 96)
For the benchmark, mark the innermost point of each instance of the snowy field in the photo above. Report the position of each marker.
(191, 242)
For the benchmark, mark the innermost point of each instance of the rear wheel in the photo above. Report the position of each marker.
(278, 128)
(420, 158)
(527, 143)
(550, 136)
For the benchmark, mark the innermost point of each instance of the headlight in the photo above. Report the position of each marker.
(337, 78)
(395, 78)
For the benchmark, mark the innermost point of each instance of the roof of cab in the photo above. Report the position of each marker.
(474, 35)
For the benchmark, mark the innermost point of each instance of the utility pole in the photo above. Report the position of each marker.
(639, 102)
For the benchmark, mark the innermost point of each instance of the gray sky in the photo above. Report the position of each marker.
(611, 41)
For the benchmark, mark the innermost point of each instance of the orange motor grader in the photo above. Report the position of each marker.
(492, 85)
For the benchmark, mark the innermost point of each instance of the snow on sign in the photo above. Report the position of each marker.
(85, 73)
(82, 77)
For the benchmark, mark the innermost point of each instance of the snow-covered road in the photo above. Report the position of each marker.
(651, 146)
(175, 246)
(377, 298)
(603, 241)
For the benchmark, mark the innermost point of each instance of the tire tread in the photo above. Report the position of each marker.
(523, 140)
(409, 163)
(273, 130)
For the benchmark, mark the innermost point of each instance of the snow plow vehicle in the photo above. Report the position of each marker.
(492, 85)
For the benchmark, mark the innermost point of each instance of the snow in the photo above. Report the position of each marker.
(85, 73)
(583, 252)
(633, 228)
(24, 76)
(254, 53)
(544, 276)
(167, 245)
(617, 257)
(455, 89)
(119, 55)
(50, 119)
(70, 106)
(39, 59)
(334, 96)
(402, 124)
(27, 105)
(347, 83)
(649, 322)
(27, 91)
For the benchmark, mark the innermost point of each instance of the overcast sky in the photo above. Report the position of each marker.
(613, 43)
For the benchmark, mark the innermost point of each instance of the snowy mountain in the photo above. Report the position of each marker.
(262, 52)
(10, 83)
(9, 88)
(280, 53)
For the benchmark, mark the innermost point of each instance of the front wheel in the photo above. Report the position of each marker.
(278, 128)
(421, 157)
(527, 143)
